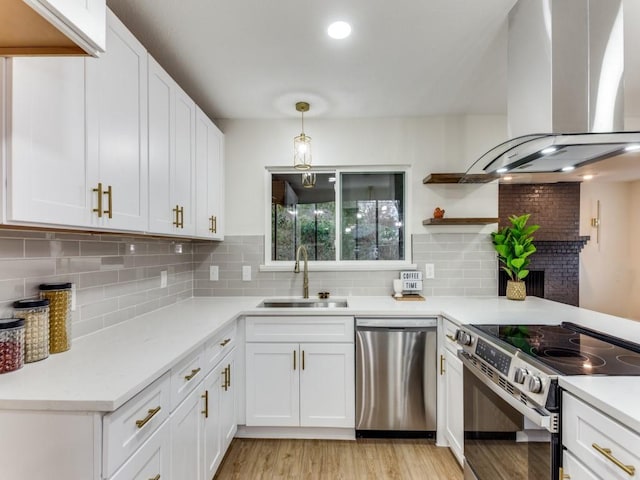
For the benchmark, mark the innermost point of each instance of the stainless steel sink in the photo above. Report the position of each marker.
(304, 304)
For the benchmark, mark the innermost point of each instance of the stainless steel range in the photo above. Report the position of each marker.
(511, 394)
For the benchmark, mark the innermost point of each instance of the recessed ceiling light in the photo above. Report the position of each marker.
(548, 150)
(588, 176)
(501, 170)
(568, 168)
(339, 30)
(631, 148)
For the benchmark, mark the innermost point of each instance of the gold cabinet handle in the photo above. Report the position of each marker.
(450, 337)
(181, 217)
(224, 342)
(206, 403)
(563, 475)
(157, 477)
(98, 210)
(193, 373)
(294, 359)
(150, 414)
(214, 224)
(225, 374)
(229, 375)
(606, 452)
(303, 359)
(441, 364)
(176, 222)
(109, 194)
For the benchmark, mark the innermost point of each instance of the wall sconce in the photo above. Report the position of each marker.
(595, 222)
(302, 143)
(309, 179)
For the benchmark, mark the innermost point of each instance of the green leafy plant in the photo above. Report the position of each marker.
(514, 245)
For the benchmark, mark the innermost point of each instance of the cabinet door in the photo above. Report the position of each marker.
(454, 416)
(327, 385)
(117, 128)
(187, 437)
(212, 444)
(183, 172)
(209, 179)
(272, 386)
(228, 424)
(573, 468)
(47, 168)
(151, 461)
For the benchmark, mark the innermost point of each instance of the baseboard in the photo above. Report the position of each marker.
(318, 433)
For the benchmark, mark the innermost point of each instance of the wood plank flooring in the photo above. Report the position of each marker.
(363, 459)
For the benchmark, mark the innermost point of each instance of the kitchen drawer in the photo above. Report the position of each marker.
(572, 467)
(126, 429)
(585, 428)
(219, 346)
(449, 330)
(185, 375)
(300, 329)
(152, 460)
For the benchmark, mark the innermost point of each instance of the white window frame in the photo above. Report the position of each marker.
(340, 265)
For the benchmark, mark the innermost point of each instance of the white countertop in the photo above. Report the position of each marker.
(104, 369)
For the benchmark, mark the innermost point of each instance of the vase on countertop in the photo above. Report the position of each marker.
(516, 290)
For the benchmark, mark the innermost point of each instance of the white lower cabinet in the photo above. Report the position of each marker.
(454, 414)
(307, 384)
(152, 461)
(203, 425)
(596, 444)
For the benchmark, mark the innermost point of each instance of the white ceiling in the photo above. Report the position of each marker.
(256, 58)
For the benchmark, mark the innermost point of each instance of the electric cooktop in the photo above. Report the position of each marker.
(570, 349)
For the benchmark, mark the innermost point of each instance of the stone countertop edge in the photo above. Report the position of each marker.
(105, 369)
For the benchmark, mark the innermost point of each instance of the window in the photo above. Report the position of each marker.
(347, 217)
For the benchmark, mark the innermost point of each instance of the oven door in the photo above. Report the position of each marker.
(502, 440)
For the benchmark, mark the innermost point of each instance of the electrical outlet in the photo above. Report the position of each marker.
(213, 273)
(246, 273)
(163, 279)
(429, 270)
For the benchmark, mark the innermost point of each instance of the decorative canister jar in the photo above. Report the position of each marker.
(59, 296)
(11, 344)
(36, 328)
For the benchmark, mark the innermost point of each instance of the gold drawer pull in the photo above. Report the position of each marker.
(294, 359)
(225, 372)
(157, 477)
(98, 190)
(150, 414)
(193, 373)
(441, 364)
(228, 375)
(450, 337)
(109, 194)
(224, 342)
(303, 359)
(606, 452)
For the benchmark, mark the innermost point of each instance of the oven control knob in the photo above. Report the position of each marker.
(464, 338)
(534, 384)
(520, 374)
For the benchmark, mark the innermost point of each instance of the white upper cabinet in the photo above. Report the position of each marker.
(209, 179)
(83, 21)
(117, 131)
(47, 169)
(172, 122)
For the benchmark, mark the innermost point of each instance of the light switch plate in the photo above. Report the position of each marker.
(163, 279)
(213, 273)
(246, 273)
(429, 270)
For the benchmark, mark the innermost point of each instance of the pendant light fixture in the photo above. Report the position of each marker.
(302, 143)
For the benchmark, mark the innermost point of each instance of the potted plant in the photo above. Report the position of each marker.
(514, 245)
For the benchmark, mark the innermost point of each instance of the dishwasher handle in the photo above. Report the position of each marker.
(396, 323)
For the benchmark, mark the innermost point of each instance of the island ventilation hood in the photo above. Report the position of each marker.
(565, 78)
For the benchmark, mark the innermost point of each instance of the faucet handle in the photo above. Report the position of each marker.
(323, 295)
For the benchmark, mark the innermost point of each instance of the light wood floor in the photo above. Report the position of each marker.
(363, 459)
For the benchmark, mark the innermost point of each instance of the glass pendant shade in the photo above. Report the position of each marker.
(309, 179)
(302, 152)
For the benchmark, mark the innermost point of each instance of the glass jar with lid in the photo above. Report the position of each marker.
(11, 344)
(36, 327)
(59, 296)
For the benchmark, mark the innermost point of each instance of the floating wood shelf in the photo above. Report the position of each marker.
(460, 178)
(459, 221)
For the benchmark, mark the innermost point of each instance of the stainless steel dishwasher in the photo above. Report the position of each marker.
(395, 377)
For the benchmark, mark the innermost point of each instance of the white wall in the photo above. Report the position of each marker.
(634, 235)
(427, 144)
(606, 266)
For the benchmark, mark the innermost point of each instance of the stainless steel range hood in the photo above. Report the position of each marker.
(566, 68)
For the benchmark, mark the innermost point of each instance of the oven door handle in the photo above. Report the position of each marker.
(548, 422)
